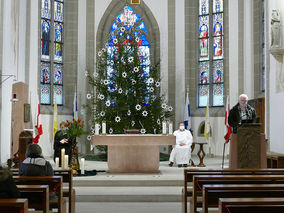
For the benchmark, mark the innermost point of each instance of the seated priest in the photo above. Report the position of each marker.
(61, 141)
(241, 113)
(181, 152)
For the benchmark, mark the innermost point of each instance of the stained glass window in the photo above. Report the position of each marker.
(211, 66)
(52, 51)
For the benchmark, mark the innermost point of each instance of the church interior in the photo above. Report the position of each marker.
(130, 103)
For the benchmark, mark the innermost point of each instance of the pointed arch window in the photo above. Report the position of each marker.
(51, 58)
(211, 53)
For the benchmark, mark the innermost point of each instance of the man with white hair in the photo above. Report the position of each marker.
(241, 113)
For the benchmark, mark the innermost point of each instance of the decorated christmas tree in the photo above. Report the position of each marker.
(126, 85)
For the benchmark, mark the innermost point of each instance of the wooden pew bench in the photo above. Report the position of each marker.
(251, 205)
(200, 180)
(55, 185)
(37, 195)
(275, 160)
(189, 173)
(212, 193)
(13, 205)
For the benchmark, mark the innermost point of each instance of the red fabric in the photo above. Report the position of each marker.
(228, 128)
(38, 128)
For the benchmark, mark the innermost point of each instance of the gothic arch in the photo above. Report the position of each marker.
(116, 7)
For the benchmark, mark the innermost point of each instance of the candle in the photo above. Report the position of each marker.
(170, 128)
(104, 128)
(66, 161)
(164, 127)
(57, 162)
(97, 129)
(82, 166)
(62, 158)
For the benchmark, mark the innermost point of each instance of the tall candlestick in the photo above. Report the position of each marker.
(57, 162)
(103, 127)
(170, 128)
(164, 127)
(97, 129)
(66, 161)
(82, 166)
(62, 158)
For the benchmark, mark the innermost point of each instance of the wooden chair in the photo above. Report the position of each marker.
(13, 205)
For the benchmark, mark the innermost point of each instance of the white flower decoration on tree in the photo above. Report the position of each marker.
(89, 96)
(111, 62)
(102, 113)
(170, 108)
(107, 103)
(89, 137)
(138, 107)
(106, 82)
(143, 131)
(130, 59)
(120, 90)
(158, 83)
(129, 112)
(115, 41)
(102, 97)
(133, 82)
(151, 89)
(104, 49)
(144, 113)
(117, 119)
(132, 123)
(122, 29)
(100, 53)
(124, 74)
(110, 130)
(151, 80)
(158, 121)
(137, 39)
(95, 74)
(164, 106)
(136, 69)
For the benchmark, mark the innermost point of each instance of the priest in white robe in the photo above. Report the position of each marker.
(181, 152)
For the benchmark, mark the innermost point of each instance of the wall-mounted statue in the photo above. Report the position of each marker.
(275, 28)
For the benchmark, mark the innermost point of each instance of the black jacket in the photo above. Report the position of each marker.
(8, 188)
(234, 119)
(35, 167)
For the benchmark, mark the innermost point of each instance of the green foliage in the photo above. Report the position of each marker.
(125, 95)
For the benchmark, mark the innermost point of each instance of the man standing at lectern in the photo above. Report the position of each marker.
(241, 113)
(181, 152)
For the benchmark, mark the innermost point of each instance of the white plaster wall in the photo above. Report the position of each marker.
(276, 96)
(180, 61)
(21, 37)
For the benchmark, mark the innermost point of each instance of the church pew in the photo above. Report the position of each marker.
(189, 173)
(37, 195)
(251, 205)
(55, 185)
(67, 192)
(212, 193)
(200, 180)
(13, 205)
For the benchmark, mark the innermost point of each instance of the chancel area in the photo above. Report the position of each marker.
(141, 106)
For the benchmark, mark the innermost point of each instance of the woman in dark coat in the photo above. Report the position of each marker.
(8, 188)
(61, 141)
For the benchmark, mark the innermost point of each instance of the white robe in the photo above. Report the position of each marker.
(181, 154)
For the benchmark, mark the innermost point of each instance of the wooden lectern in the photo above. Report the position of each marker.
(248, 148)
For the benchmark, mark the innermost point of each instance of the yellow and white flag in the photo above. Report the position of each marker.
(207, 122)
(55, 118)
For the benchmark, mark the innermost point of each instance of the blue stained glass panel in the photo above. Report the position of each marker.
(57, 74)
(204, 73)
(58, 91)
(45, 9)
(58, 11)
(45, 45)
(218, 47)
(203, 7)
(204, 49)
(45, 94)
(58, 52)
(217, 6)
(203, 91)
(218, 24)
(113, 27)
(45, 73)
(142, 27)
(203, 26)
(58, 32)
(218, 94)
(45, 29)
(218, 76)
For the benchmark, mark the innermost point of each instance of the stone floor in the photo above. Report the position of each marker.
(133, 193)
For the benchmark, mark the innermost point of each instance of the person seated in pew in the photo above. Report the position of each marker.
(35, 164)
(8, 188)
(181, 152)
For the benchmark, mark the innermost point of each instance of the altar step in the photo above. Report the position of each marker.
(129, 194)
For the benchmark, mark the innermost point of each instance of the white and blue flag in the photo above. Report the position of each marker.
(187, 119)
(75, 106)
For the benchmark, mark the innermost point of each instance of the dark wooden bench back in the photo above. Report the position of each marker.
(13, 205)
